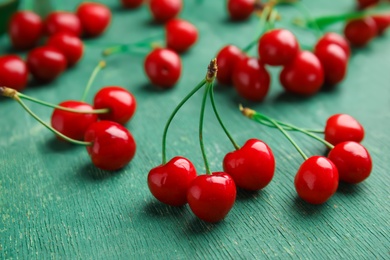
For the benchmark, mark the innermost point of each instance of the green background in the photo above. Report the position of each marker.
(55, 204)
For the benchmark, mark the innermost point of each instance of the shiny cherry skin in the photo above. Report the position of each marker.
(72, 124)
(25, 29)
(227, 59)
(163, 67)
(113, 146)
(181, 35)
(341, 128)
(211, 197)
(334, 61)
(13, 72)
(169, 182)
(46, 63)
(164, 10)
(278, 47)
(382, 22)
(61, 21)
(119, 101)
(316, 180)
(131, 4)
(94, 17)
(352, 160)
(240, 9)
(251, 79)
(304, 76)
(360, 32)
(334, 38)
(71, 46)
(252, 167)
(362, 4)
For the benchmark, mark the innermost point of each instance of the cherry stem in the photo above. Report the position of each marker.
(201, 119)
(288, 128)
(97, 69)
(306, 12)
(263, 20)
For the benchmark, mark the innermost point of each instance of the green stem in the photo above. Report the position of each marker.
(288, 128)
(97, 69)
(272, 18)
(201, 119)
(306, 12)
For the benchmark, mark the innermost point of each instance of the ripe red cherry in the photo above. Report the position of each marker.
(164, 10)
(382, 22)
(180, 35)
(211, 197)
(72, 124)
(71, 46)
(342, 127)
(46, 63)
(60, 21)
(240, 9)
(94, 18)
(251, 79)
(316, 180)
(304, 76)
(113, 146)
(362, 4)
(13, 72)
(278, 47)
(334, 61)
(169, 182)
(360, 32)
(163, 67)
(252, 167)
(227, 59)
(119, 101)
(25, 29)
(352, 160)
(131, 3)
(334, 38)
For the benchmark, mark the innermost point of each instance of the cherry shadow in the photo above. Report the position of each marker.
(348, 189)
(158, 210)
(53, 144)
(245, 195)
(92, 173)
(228, 21)
(303, 208)
(286, 97)
(198, 226)
(149, 87)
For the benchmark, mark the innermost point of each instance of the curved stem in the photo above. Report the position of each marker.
(201, 119)
(98, 68)
(288, 128)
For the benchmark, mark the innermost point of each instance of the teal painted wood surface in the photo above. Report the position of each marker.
(55, 204)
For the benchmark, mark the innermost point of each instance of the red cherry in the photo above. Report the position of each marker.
(131, 3)
(304, 76)
(317, 180)
(211, 197)
(334, 61)
(252, 167)
(94, 18)
(278, 47)
(240, 9)
(360, 32)
(46, 63)
(25, 29)
(60, 21)
(341, 128)
(180, 35)
(119, 101)
(13, 72)
(352, 161)
(72, 124)
(331, 37)
(227, 58)
(169, 182)
(251, 79)
(163, 67)
(382, 22)
(362, 4)
(112, 147)
(71, 46)
(164, 10)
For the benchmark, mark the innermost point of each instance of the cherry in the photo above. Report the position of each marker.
(46, 63)
(252, 167)
(334, 38)
(25, 29)
(113, 146)
(163, 67)
(72, 124)
(278, 47)
(382, 22)
(211, 197)
(61, 21)
(251, 79)
(180, 35)
(169, 182)
(334, 61)
(13, 72)
(71, 46)
(94, 18)
(352, 160)
(362, 4)
(342, 127)
(164, 10)
(131, 3)
(120, 102)
(316, 180)
(227, 58)
(240, 9)
(359, 32)
(303, 76)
